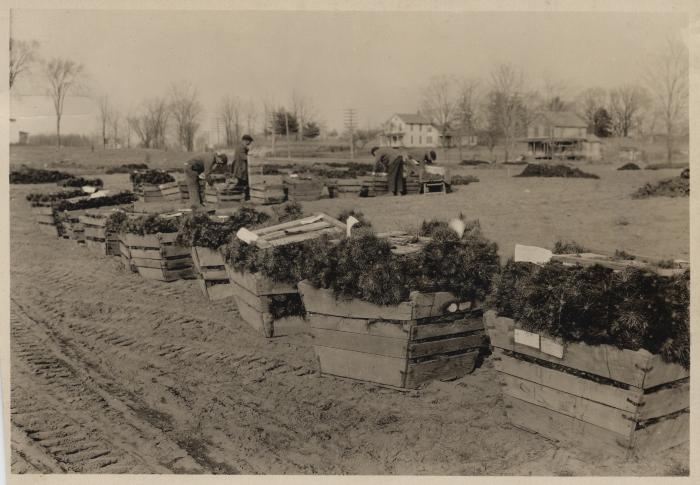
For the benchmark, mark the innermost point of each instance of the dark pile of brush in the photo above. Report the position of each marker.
(148, 224)
(630, 166)
(127, 168)
(200, 230)
(544, 170)
(673, 187)
(630, 309)
(463, 179)
(28, 175)
(152, 177)
(81, 182)
(121, 198)
(42, 198)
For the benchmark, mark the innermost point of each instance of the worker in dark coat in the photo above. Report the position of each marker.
(201, 168)
(382, 157)
(240, 161)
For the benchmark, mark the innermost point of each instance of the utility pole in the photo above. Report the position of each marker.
(350, 120)
(286, 124)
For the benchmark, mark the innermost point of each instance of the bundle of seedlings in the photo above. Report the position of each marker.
(121, 198)
(363, 221)
(630, 166)
(593, 356)
(544, 170)
(199, 229)
(127, 168)
(42, 199)
(27, 175)
(629, 309)
(673, 187)
(81, 182)
(286, 212)
(148, 224)
(151, 177)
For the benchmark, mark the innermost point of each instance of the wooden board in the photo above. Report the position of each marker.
(601, 415)
(665, 401)
(260, 321)
(443, 329)
(445, 345)
(169, 264)
(560, 427)
(360, 365)
(661, 372)
(362, 326)
(256, 302)
(216, 292)
(624, 399)
(662, 435)
(213, 274)
(370, 344)
(621, 365)
(166, 275)
(441, 368)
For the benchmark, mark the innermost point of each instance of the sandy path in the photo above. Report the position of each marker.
(114, 373)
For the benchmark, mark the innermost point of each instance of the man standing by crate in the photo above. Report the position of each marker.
(201, 168)
(239, 169)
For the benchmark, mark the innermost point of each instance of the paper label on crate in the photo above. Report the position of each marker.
(526, 338)
(551, 347)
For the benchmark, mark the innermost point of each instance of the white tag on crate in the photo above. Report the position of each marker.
(527, 338)
(246, 236)
(551, 347)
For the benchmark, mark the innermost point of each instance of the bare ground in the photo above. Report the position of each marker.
(112, 373)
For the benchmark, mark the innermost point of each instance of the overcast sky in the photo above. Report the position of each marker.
(374, 62)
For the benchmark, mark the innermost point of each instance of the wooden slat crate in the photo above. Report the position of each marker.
(125, 254)
(253, 291)
(44, 216)
(342, 188)
(599, 397)
(96, 237)
(266, 194)
(434, 188)
(402, 345)
(375, 185)
(223, 196)
(72, 227)
(211, 273)
(159, 193)
(302, 189)
(413, 185)
(156, 256)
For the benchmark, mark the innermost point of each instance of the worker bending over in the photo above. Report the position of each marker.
(202, 167)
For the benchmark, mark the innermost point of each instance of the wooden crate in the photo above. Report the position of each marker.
(375, 185)
(302, 189)
(125, 254)
(96, 237)
(413, 185)
(44, 216)
(159, 193)
(253, 292)
(224, 196)
(72, 228)
(342, 188)
(266, 194)
(599, 397)
(157, 257)
(211, 273)
(402, 345)
(434, 188)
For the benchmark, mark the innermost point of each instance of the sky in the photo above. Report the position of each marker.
(375, 62)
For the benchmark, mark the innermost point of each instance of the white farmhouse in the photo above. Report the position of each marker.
(409, 130)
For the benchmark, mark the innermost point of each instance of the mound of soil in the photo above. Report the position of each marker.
(544, 170)
(463, 179)
(630, 166)
(673, 187)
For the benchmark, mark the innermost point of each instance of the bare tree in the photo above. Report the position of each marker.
(625, 103)
(230, 112)
(251, 117)
(137, 124)
(115, 121)
(506, 103)
(104, 114)
(588, 103)
(553, 94)
(62, 75)
(186, 109)
(438, 104)
(150, 126)
(302, 110)
(22, 54)
(668, 81)
(467, 110)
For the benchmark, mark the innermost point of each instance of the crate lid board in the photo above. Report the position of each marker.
(291, 232)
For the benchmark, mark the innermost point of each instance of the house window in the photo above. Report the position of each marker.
(420, 140)
(430, 129)
(411, 139)
(429, 139)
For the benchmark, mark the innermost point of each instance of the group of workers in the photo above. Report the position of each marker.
(212, 162)
(395, 162)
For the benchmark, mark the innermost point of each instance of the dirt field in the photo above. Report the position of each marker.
(113, 373)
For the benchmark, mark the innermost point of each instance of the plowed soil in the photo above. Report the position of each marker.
(112, 373)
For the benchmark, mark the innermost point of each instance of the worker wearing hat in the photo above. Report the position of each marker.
(201, 168)
(240, 162)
